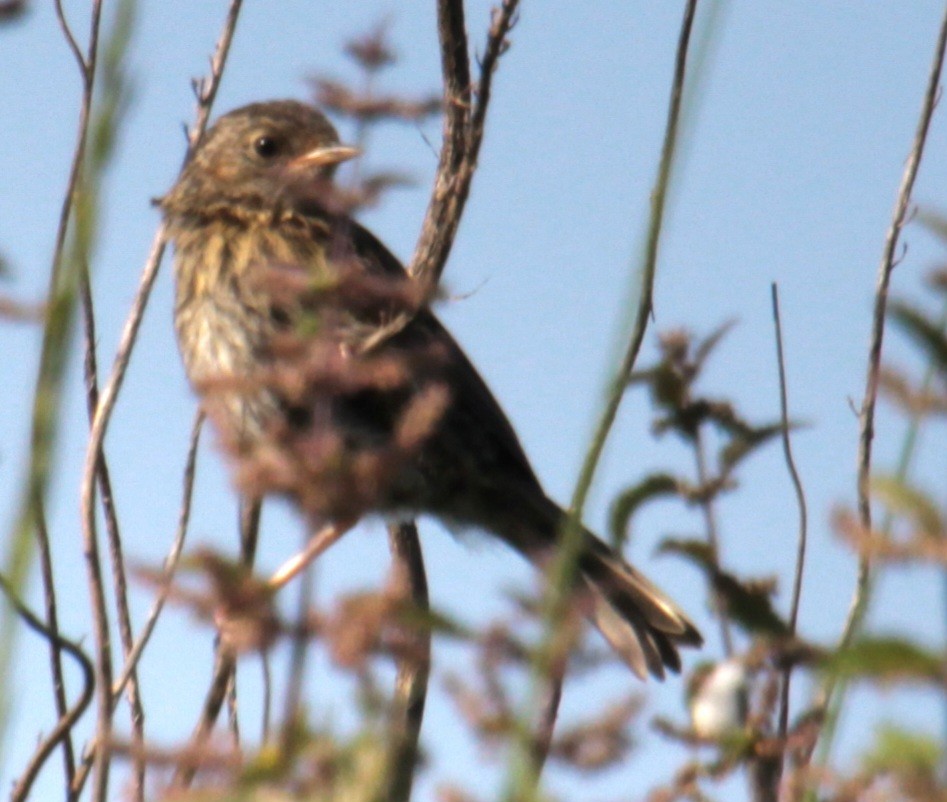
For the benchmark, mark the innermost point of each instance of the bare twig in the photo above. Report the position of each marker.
(55, 648)
(120, 584)
(129, 334)
(21, 788)
(408, 583)
(206, 88)
(205, 97)
(103, 662)
(60, 306)
(793, 472)
(297, 663)
(867, 412)
(503, 20)
(250, 510)
(267, 706)
(225, 662)
(170, 566)
(546, 720)
(463, 133)
(170, 562)
(71, 39)
(233, 717)
(802, 537)
(448, 197)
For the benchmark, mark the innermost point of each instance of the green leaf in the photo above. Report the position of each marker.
(668, 387)
(745, 442)
(697, 551)
(749, 606)
(901, 752)
(925, 332)
(627, 503)
(887, 658)
(909, 502)
(935, 223)
(746, 603)
(711, 341)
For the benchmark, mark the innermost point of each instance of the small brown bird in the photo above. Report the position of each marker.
(330, 381)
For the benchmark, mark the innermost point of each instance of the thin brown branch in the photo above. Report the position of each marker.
(250, 510)
(71, 40)
(267, 706)
(170, 562)
(103, 661)
(502, 22)
(293, 700)
(55, 648)
(225, 662)
(206, 88)
(802, 536)
(205, 98)
(22, 787)
(113, 533)
(463, 133)
(87, 70)
(448, 196)
(793, 472)
(110, 392)
(548, 713)
(233, 717)
(867, 411)
(409, 584)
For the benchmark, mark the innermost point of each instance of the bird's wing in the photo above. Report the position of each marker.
(473, 407)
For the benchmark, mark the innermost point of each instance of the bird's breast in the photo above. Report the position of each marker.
(228, 305)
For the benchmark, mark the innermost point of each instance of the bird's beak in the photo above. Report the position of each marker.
(326, 156)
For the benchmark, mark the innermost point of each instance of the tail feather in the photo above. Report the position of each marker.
(631, 643)
(642, 625)
(632, 614)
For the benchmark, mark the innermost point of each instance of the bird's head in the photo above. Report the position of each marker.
(258, 155)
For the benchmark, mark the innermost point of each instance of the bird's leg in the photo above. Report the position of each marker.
(317, 544)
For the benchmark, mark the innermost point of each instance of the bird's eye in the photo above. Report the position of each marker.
(266, 146)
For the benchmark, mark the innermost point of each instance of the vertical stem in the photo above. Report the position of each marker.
(55, 647)
(523, 782)
(409, 584)
(866, 418)
(802, 536)
(119, 583)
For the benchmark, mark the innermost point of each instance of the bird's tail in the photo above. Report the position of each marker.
(642, 625)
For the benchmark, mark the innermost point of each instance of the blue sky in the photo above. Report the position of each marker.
(791, 163)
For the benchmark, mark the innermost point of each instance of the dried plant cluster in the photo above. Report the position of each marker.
(742, 723)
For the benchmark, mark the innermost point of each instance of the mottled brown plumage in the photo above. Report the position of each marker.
(280, 300)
